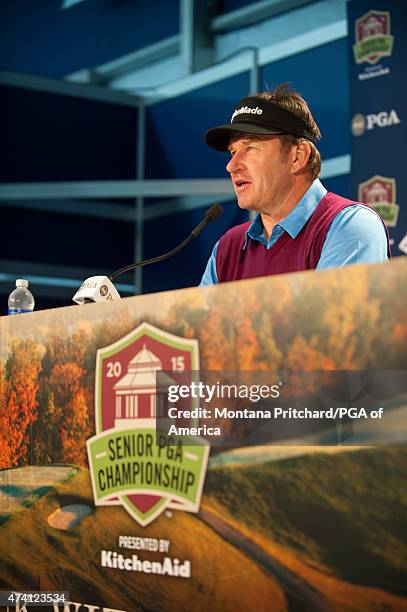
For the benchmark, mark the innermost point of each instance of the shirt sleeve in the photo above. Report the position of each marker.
(356, 236)
(210, 276)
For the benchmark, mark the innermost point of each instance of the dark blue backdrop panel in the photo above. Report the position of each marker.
(186, 268)
(50, 137)
(225, 6)
(321, 76)
(37, 37)
(175, 146)
(377, 58)
(338, 184)
(67, 240)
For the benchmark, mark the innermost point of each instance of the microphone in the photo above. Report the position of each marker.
(96, 289)
(102, 289)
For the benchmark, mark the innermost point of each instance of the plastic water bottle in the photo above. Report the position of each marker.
(21, 299)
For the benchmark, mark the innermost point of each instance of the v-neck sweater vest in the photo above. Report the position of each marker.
(287, 254)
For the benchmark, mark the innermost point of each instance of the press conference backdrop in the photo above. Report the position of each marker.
(377, 45)
(50, 137)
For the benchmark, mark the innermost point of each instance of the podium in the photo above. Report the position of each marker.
(92, 506)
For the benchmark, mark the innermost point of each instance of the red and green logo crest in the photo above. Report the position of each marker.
(372, 37)
(380, 193)
(130, 463)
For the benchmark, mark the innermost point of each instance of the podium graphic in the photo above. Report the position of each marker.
(86, 483)
(131, 463)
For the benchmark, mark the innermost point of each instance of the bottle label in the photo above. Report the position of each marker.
(12, 311)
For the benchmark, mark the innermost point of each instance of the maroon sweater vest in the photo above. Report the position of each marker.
(286, 255)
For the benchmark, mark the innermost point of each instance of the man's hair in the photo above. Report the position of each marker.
(292, 101)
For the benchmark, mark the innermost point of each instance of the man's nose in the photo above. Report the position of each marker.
(235, 163)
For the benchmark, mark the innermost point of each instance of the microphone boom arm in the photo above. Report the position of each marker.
(211, 215)
(147, 262)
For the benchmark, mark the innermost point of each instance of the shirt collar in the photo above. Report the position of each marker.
(297, 218)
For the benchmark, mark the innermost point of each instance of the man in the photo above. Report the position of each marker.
(274, 168)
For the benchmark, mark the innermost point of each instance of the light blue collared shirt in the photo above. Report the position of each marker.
(356, 236)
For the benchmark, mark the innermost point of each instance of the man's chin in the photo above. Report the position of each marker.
(245, 204)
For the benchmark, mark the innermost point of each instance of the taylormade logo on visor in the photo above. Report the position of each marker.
(247, 110)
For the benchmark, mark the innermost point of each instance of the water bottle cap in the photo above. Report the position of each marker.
(21, 282)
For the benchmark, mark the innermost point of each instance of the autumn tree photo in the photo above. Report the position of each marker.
(18, 409)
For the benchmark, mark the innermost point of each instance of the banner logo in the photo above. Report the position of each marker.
(383, 119)
(380, 193)
(131, 464)
(373, 38)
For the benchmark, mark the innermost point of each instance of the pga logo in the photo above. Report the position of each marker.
(360, 122)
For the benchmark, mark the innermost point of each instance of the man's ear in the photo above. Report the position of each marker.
(300, 155)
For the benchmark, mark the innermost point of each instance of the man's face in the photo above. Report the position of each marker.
(259, 171)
